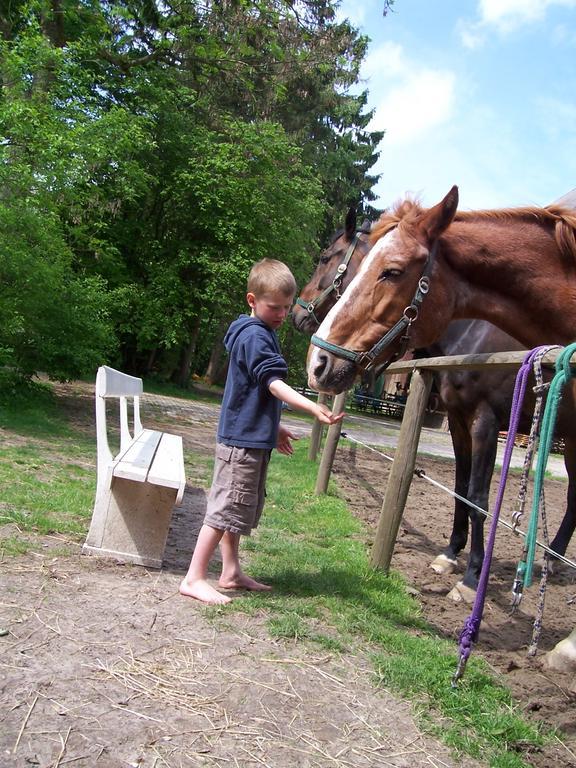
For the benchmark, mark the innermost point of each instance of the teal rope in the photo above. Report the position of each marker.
(562, 375)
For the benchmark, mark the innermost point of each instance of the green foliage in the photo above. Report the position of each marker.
(151, 154)
(53, 319)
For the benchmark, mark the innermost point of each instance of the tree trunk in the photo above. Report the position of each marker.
(221, 373)
(150, 361)
(182, 377)
(215, 363)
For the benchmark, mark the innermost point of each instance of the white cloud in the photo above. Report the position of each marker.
(445, 123)
(422, 100)
(504, 16)
(353, 11)
(472, 35)
(388, 60)
(507, 14)
(556, 119)
(486, 156)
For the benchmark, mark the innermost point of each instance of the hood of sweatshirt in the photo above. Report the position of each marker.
(237, 326)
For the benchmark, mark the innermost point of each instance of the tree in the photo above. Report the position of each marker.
(171, 145)
(242, 194)
(52, 319)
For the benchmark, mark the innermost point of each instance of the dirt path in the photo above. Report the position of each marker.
(105, 665)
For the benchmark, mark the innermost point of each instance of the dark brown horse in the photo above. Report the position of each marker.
(478, 403)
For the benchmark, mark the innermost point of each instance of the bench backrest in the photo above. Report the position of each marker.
(112, 383)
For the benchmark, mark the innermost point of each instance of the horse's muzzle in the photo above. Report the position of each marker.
(303, 321)
(330, 374)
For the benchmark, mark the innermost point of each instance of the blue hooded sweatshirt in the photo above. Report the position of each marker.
(250, 414)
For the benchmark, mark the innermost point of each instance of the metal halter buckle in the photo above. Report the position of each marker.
(411, 310)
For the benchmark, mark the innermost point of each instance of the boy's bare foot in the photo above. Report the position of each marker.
(202, 591)
(242, 581)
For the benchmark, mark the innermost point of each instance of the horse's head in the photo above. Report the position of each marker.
(337, 266)
(380, 314)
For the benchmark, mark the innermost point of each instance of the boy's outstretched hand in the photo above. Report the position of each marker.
(325, 415)
(284, 444)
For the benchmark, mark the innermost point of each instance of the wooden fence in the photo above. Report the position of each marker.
(404, 462)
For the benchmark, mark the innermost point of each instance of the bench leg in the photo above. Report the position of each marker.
(130, 522)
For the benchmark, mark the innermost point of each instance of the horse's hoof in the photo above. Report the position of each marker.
(443, 564)
(460, 593)
(562, 657)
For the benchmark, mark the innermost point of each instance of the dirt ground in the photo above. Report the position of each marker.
(504, 638)
(104, 664)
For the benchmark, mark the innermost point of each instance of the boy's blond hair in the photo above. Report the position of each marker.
(271, 276)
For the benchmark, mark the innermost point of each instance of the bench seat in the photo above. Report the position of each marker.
(154, 457)
(138, 488)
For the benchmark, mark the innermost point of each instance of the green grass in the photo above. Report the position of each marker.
(47, 469)
(48, 466)
(207, 393)
(30, 408)
(43, 492)
(314, 553)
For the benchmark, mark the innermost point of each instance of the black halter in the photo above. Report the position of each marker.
(367, 360)
(336, 282)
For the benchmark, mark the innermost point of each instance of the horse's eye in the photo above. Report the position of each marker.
(389, 273)
(325, 259)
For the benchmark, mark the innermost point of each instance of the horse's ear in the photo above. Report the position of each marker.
(437, 219)
(350, 223)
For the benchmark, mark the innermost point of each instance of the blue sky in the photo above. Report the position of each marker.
(479, 93)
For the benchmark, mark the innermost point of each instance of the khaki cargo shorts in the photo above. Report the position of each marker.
(238, 491)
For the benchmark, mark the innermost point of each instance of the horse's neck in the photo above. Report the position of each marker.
(513, 277)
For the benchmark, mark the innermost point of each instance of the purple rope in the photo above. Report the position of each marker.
(471, 628)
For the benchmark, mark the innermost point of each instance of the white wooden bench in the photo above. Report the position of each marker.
(138, 488)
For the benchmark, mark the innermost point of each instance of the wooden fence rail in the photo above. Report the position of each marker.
(409, 435)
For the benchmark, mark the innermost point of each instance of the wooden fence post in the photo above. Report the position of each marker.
(317, 431)
(330, 447)
(402, 470)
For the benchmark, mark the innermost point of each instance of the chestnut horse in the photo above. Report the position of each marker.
(514, 267)
(478, 403)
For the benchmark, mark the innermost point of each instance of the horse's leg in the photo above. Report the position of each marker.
(563, 656)
(484, 436)
(447, 559)
(568, 524)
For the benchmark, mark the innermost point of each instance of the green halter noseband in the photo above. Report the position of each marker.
(311, 306)
(366, 360)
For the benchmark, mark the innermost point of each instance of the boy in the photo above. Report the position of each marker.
(248, 429)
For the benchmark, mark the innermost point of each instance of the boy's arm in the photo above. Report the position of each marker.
(284, 392)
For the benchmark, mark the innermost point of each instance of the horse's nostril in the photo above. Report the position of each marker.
(321, 364)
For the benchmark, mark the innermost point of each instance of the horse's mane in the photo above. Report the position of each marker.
(402, 212)
(561, 219)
